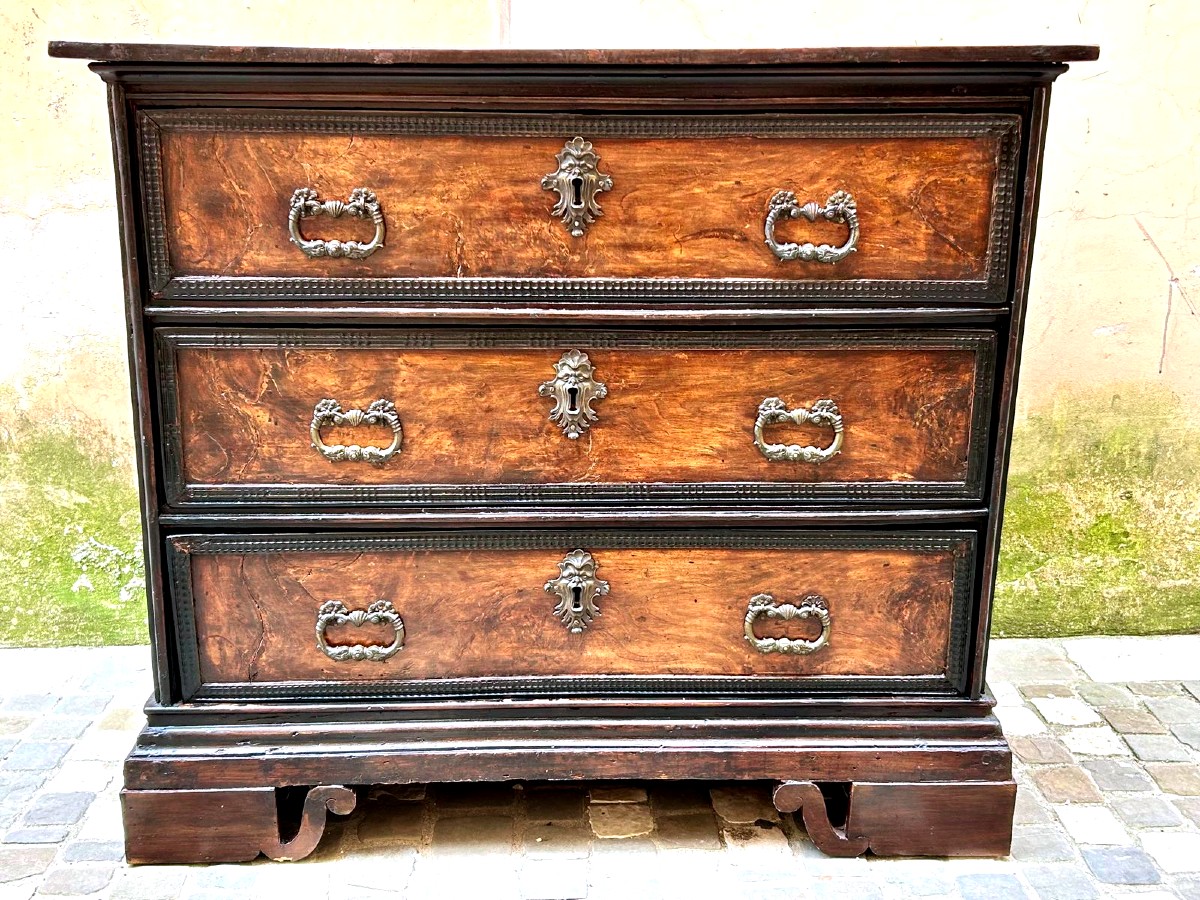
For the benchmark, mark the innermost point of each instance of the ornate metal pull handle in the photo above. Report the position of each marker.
(574, 390)
(774, 411)
(578, 181)
(811, 606)
(577, 589)
(381, 412)
(381, 612)
(361, 204)
(840, 208)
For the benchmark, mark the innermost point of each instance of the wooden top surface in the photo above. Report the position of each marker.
(824, 56)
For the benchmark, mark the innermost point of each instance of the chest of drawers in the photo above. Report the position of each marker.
(547, 415)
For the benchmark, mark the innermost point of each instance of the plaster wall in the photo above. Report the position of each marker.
(1113, 334)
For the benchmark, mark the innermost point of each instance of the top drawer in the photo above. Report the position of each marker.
(456, 206)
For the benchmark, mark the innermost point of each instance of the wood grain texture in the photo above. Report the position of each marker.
(198, 826)
(208, 826)
(671, 415)
(894, 739)
(459, 205)
(909, 819)
(484, 612)
(844, 56)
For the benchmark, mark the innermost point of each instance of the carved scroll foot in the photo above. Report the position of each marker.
(201, 826)
(806, 798)
(332, 798)
(971, 818)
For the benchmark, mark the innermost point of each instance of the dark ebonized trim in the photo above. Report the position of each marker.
(567, 686)
(963, 543)
(991, 289)
(182, 495)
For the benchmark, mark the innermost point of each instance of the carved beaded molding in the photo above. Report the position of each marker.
(961, 543)
(992, 289)
(182, 494)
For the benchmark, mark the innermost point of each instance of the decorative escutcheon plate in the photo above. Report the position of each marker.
(577, 589)
(381, 612)
(577, 182)
(380, 412)
(361, 204)
(573, 389)
(812, 606)
(840, 208)
(773, 411)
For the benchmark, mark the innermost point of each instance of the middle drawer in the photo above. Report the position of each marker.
(407, 417)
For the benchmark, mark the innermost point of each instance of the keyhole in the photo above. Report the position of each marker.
(577, 191)
(576, 599)
(572, 400)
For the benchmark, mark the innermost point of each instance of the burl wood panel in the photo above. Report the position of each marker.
(475, 417)
(484, 612)
(679, 208)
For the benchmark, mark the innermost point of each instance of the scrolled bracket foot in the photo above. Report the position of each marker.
(223, 825)
(806, 798)
(320, 801)
(959, 818)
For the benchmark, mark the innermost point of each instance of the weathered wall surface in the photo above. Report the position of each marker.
(1105, 492)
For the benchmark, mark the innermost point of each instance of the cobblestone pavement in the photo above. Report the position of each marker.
(1106, 733)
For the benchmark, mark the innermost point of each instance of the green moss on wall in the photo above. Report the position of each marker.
(70, 546)
(1102, 520)
(1102, 527)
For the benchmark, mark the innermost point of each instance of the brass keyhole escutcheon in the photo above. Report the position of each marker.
(578, 182)
(573, 389)
(577, 590)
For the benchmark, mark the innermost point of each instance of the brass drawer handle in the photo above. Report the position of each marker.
(840, 208)
(577, 589)
(578, 181)
(361, 204)
(774, 411)
(811, 606)
(574, 390)
(381, 612)
(381, 412)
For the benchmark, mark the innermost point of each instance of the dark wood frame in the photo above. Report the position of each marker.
(202, 782)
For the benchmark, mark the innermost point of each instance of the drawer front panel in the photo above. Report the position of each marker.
(474, 611)
(466, 205)
(662, 416)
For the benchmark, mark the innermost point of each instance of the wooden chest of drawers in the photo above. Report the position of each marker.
(549, 415)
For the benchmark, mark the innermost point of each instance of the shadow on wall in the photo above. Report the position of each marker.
(1102, 530)
(1102, 520)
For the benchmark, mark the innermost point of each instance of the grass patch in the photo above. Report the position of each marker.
(1102, 520)
(71, 571)
(1101, 536)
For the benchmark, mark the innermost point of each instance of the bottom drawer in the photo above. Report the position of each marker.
(570, 613)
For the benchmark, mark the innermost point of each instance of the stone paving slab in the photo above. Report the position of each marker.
(1169, 658)
(1104, 730)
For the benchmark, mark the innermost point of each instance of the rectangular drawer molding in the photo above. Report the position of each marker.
(468, 219)
(677, 422)
(478, 620)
